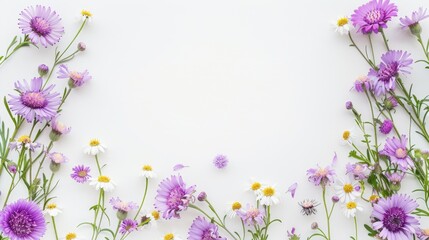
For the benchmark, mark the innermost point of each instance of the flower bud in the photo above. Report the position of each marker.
(415, 29)
(390, 103)
(121, 214)
(81, 46)
(11, 166)
(335, 199)
(202, 196)
(43, 70)
(54, 166)
(314, 226)
(349, 105)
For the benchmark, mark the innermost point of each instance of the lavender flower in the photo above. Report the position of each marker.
(22, 220)
(220, 161)
(43, 70)
(386, 126)
(363, 83)
(357, 170)
(393, 63)
(58, 129)
(390, 103)
(203, 229)
(202, 196)
(373, 16)
(76, 79)
(122, 207)
(322, 176)
(393, 218)
(173, 197)
(413, 22)
(349, 105)
(396, 150)
(56, 160)
(24, 142)
(395, 180)
(41, 24)
(81, 173)
(252, 216)
(34, 102)
(128, 225)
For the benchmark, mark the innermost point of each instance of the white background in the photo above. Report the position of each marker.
(263, 82)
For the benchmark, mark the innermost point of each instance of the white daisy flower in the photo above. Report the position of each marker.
(95, 147)
(255, 187)
(268, 196)
(150, 219)
(350, 208)
(147, 171)
(72, 236)
(347, 190)
(170, 236)
(234, 207)
(342, 25)
(52, 210)
(347, 137)
(102, 182)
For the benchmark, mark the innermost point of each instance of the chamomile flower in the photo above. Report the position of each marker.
(233, 208)
(347, 136)
(52, 209)
(347, 190)
(351, 207)
(147, 171)
(86, 15)
(342, 25)
(149, 220)
(94, 147)
(170, 236)
(255, 187)
(268, 196)
(72, 236)
(102, 182)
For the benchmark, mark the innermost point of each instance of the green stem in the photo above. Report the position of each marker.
(94, 228)
(360, 51)
(385, 39)
(373, 124)
(326, 212)
(98, 165)
(356, 228)
(372, 48)
(55, 228)
(117, 229)
(10, 190)
(13, 136)
(143, 199)
(48, 190)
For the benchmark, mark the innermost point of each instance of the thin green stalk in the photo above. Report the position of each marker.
(356, 228)
(385, 39)
(117, 229)
(98, 164)
(55, 228)
(13, 136)
(10, 190)
(48, 190)
(94, 228)
(326, 212)
(143, 199)
(372, 48)
(360, 51)
(373, 124)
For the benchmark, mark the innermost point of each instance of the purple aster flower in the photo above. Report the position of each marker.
(43, 69)
(252, 216)
(81, 173)
(24, 141)
(393, 218)
(41, 24)
(220, 161)
(396, 150)
(34, 102)
(203, 229)
(390, 103)
(22, 220)
(395, 179)
(386, 126)
(173, 196)
(322, 176)
(373, 16)
(122, 207)
(58, 129)
(413, 22)
(363, 83)
(76, 79)
(357, 170)
(128, 225)
(393, 63)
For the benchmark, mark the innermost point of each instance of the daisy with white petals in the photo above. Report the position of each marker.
(342, 25)
(234, 207)
(52, 210)
(94, 147)
(148, 172)
(102, 182)
(347, 190)
(268, 196)
(351, 207)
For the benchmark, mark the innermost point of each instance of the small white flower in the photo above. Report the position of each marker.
(347, 137)
(86, 14)
(233, 208)
(147, 172)
(255, 187)
(268, 196)
(170, 236)
(72, 236)
(342, 25)
(150, 218)
(102, 182)
(347, 190)
(52, 210)
(350, 208)
(94, 147)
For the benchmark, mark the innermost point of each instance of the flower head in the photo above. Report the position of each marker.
(202, 196)
(396, 150)
(94, 147)
(252, 216)
(52, 209)
(234, 208)
(41, 24)
(347, 136)
(255, 187)
(58, 129)
(148, 172)
(22, 220)
(363, 83)
(56, 160)
(33, 102)
(122, 207)
(76, 79)
(43, 69)
(24, 142)
(342, 25)
(203, 229)
(393, 63)
(81, 173)
(413, 22)
(173, 196)
(220, 161)
(308, 207)
(390, 103)
(86, 13)
(292, 235)
(128, 225)
(393, 218)
(373, 16)
(386, 126)
(351, 207)
(357, 170)
(347, 191)
(102, 182)
(71, 236)
(268, 196)
(395, 180)
(171, 236)
(322, 176)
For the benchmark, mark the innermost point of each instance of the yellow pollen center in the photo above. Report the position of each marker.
(94, 142)
(86, 13)
(155, 215)
(346, 135)
(268, 191)
(147, 168)
(51, 206)
(342, 21)
(169, 236)
(24, 139)
(255, 186)
(103, 179)
(75, 76)
(236, 206)
(351, 205)
(373, 198)
(348, 188)
(70, 236)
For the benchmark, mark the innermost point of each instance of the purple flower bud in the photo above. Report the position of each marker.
(386, 126)
(43, 70)
(349, 105)
(335, 199)
(314, 226)
(202, 196)
(81, 46)
(390, 103)
(11, 166)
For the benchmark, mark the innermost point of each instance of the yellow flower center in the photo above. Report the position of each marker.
(51, 206)
(255, 186)
(268, 191)
(103, 179)
(351, 205)
(24, 139)
(373, 198)
(147, 168)
(94, 142)
(169, 236)
(342, 21)
(401, 153)
(71, 236)
(348, 188)
(236, 206)
(155, 215)
(346, 135)
(86, 13)
(82, 173)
